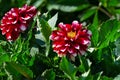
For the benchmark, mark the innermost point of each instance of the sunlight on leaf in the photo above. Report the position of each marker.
(52, 21)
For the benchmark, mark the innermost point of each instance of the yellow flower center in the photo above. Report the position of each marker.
(71, 34)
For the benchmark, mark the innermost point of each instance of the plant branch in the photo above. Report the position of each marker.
(105, 12)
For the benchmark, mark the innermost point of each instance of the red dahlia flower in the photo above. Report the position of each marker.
(16, 21)
(70, 39)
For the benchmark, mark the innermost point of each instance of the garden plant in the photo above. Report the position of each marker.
(59, 39)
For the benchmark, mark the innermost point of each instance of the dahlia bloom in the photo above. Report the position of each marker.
(16, 21)
(70, 39)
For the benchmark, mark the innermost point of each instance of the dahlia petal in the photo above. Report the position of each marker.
(61, 25)
(60, 33)
(77, 46)
(12, 9)
(74, 54)
(7, 30)
(71, 39)
(23, 27)
(89, 32)
(32, 8)
(14, 22)
(58, 46)
(68, 27)
(76, 25)
(26, 18)
(66, 38)
(8, 36)
(82, 52)
(9, 18)
(4, 17)
(63, 49)
(55, 50)
(71, 50)
(9, 12)
(65, 27)
(61, 54)
(67, 45)
(85, 42)
(56, 38)
(27, 12)
(14, 14)
(3, 32)
(8, 23)
(2, 24)
(1, 27)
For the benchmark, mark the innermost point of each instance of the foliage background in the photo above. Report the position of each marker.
(31, 57)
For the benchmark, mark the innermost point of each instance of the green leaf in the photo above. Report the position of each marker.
(104, 2)
(45, 29)
(49, 74)
(68, 68)
(3, 43)
(52, 21)
(88, 13)
(117, 11)
(66, 8)
(4, 58)
(46, 32)
(21, 69)
(117, 77)
(34, 50)
(38, 3)
(105, 78)
(114, 3)
(109, 31)
(97, 76)
(86, 76)
(40, 40)
(117, 49)
(84, 64)
(94, 29)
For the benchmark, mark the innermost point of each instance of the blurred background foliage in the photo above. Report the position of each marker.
(32, 58)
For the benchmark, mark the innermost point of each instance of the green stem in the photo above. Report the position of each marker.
(105, 12)
(73, 77)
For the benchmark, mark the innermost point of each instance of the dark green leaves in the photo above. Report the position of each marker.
(21, 69)
(4, 58)
(45, 29)
(109, 32)
(67, 8)
(49, 74)
(38, 3)
(68, 68)
(94, 29)
(88, 13)
(84, 64)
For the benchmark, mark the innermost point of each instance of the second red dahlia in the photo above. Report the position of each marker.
(70, 39)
